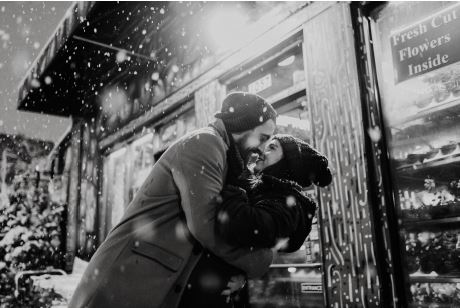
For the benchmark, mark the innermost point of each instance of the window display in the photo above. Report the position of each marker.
(435, 295)
(171, 131)
(128, 167)
(142, 153)
(279, 73)
(116, 188)
(421, 109)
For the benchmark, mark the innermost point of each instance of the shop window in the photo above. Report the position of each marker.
(416, 46)
(294, 117)
(177, 127)
(126, 169)
(116, 196)
(282, 75)
(142, 162)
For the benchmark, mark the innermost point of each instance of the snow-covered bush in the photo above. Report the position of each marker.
(30, 239)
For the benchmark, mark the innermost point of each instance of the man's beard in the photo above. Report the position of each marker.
(245, 152)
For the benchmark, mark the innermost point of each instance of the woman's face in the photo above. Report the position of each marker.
(273, 153)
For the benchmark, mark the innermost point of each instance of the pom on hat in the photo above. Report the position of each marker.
(242, 111)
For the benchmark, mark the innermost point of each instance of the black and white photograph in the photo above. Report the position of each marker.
(229, 154)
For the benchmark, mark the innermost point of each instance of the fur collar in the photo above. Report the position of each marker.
(267, 183)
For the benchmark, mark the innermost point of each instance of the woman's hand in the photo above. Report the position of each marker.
(235, 284)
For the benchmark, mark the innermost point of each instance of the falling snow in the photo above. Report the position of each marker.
(25, 28)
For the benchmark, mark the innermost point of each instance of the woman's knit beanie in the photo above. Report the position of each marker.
(305, 165)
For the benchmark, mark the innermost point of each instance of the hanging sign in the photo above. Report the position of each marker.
(427, 45)
(260, 84)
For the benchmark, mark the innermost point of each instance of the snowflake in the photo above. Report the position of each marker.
(281, 243)
(222, 217)
(35, 83)
(375, 134)
(155, 76)
(4, 36)
(290, 201)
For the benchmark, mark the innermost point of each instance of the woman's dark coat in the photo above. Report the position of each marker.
(266, 214)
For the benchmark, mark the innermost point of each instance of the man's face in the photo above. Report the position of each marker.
(255, 140)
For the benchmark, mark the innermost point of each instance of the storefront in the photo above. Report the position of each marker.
(372, 87)
(411, 62)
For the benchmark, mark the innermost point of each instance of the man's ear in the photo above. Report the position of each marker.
(237, 136)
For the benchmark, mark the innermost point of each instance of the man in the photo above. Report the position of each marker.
(147, 258)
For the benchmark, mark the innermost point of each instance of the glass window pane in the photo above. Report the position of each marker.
(142, 151)
(418, 63)
(117, 170)
(294, 119)
(283, 72)
(298, 287)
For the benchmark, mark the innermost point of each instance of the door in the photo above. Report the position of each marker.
(294, 279)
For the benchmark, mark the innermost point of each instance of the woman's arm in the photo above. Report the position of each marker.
(299, 235)
(259, 225)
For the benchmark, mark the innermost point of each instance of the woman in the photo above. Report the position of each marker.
(267, 210)
(270, 209)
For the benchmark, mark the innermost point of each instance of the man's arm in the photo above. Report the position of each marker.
(198, 173)
(254, 224)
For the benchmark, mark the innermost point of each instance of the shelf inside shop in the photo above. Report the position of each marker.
(434, 279)
(429, 223)
(431, 305)
(296, 265)
(448, 106)
(409, 180)
(408, 141)
(434, 163)
(313, 280)
(299, 86)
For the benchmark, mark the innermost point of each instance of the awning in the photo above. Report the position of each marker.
(81, 56)
(35, 77)
(58, 152)
(121, 44)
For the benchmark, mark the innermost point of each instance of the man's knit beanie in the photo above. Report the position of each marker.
(305, 164)
(242, 111)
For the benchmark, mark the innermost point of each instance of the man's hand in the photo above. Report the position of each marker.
(235, 284)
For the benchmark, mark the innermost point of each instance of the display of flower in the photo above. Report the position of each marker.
(442, 292)
(412, 252)
(437, 252)
(454, 187)
(436, 294)
(430, 199)
(420, 292)
(454, 83)
(429, 184)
